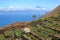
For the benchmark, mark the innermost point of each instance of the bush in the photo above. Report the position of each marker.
(8, 34)
(18, 33)
(2, 37)
(54, 38)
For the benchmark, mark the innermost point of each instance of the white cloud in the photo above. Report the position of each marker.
(39, 8)
(9, 8)
(21, 8)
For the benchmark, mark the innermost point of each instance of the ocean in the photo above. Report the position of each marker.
(9, 17)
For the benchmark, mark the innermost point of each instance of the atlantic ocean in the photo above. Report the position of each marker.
(9, 17)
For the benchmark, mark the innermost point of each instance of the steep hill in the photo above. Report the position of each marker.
(52, 19)
(49, 22)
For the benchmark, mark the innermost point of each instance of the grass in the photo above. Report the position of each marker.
(2, 37)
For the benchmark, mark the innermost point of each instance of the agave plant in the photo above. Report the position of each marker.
(18, 33)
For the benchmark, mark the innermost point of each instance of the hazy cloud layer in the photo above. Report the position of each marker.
(24, 8)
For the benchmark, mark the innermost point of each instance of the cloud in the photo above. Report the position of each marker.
(22, 8)
(40, 9)
(10, 8)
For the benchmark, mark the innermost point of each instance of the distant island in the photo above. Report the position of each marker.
(45, 28)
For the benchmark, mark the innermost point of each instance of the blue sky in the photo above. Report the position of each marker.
(24, 4)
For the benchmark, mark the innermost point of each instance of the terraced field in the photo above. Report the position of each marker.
(49, 24)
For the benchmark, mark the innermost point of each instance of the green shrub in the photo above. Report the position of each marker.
(8, 34)
(54, 38)
(18, 33)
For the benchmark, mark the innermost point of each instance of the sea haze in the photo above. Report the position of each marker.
(8, 17)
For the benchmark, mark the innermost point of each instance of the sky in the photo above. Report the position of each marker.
(29, 4)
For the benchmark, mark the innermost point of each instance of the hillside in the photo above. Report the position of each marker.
(50, 22)
(52, 19)
(14, 26)
(45, 28)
